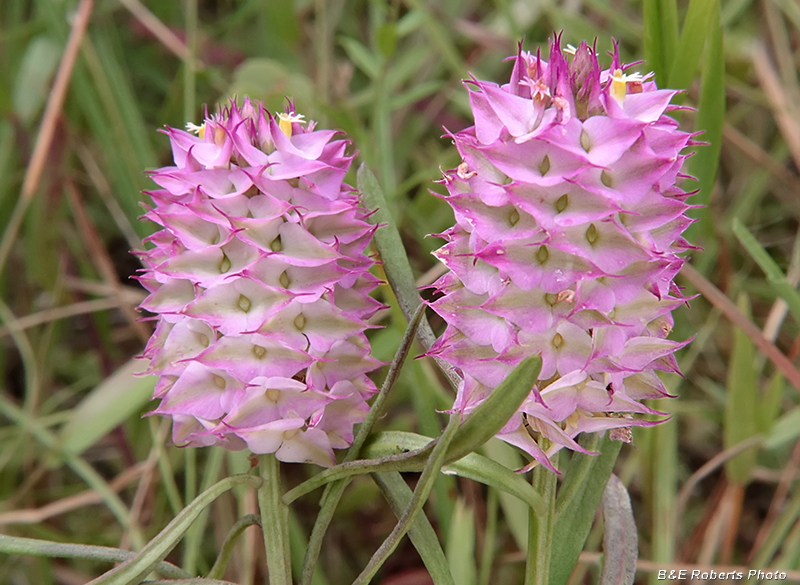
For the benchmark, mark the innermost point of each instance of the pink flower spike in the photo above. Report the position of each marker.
(566, 243)
(261, 287)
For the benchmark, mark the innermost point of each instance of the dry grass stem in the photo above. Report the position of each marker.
(102, 261)
(785, 112)
(160, 31)
(81, 500)
(57, 313)
(55, 101)
(714, 296)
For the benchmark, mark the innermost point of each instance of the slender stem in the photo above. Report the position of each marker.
(540, 528)
(17, 545)
(333, 492)
(490, 534)
(418, 499)
(226, 551)
(395, 262)
(275, 522)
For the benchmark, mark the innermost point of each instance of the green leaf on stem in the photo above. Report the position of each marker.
(485, 422)
(584, 481)
(473, 466)
(494, 412)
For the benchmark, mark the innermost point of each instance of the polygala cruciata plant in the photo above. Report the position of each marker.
(566, 242)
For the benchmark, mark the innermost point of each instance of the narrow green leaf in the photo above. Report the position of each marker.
(584, 481)
(415, 93)
(440, 38)
(421, 533)
(493, 414)
(299, 545)
(769, 406)
(741, 405)
(789, 515)
(117, 398)
(785, 430)
(392, 252)
(620, 541)
(473, 466)
(410, 22)
(710, 119)
(668, 13)
(334, 491)
(660, 36)
(661, 450)
(386, 37)
(774, 274)
(653, 49)
(135, 569)
(361, 56)
(461, 544)
(226, 550)
(92, 478)
(485, 422)
(698, 22)
(515, 510)
(433, 465)
(541, 526)
(33, 77)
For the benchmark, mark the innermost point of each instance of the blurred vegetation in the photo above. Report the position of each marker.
(79, 464)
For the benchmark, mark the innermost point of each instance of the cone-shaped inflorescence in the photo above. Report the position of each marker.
(568, 226)
(260, 283)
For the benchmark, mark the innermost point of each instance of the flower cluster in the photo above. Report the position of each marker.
(568, 226)
(261, 287)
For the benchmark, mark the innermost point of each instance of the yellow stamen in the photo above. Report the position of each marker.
(194, 129)
(285, 122)
(618, 86)
(620, 81)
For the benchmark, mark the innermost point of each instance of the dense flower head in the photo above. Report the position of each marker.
(566, 242)
(261, 287)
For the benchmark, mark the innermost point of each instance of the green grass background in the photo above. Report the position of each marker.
(79, 464)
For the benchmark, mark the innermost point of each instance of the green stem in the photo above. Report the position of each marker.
(421, 492)
(275, 522)
(395, 262)
(17, 545)
(540, 528)
(333, 492)
(226, 550)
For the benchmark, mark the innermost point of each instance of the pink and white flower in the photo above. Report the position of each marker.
(566, 242)
(261, 285)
